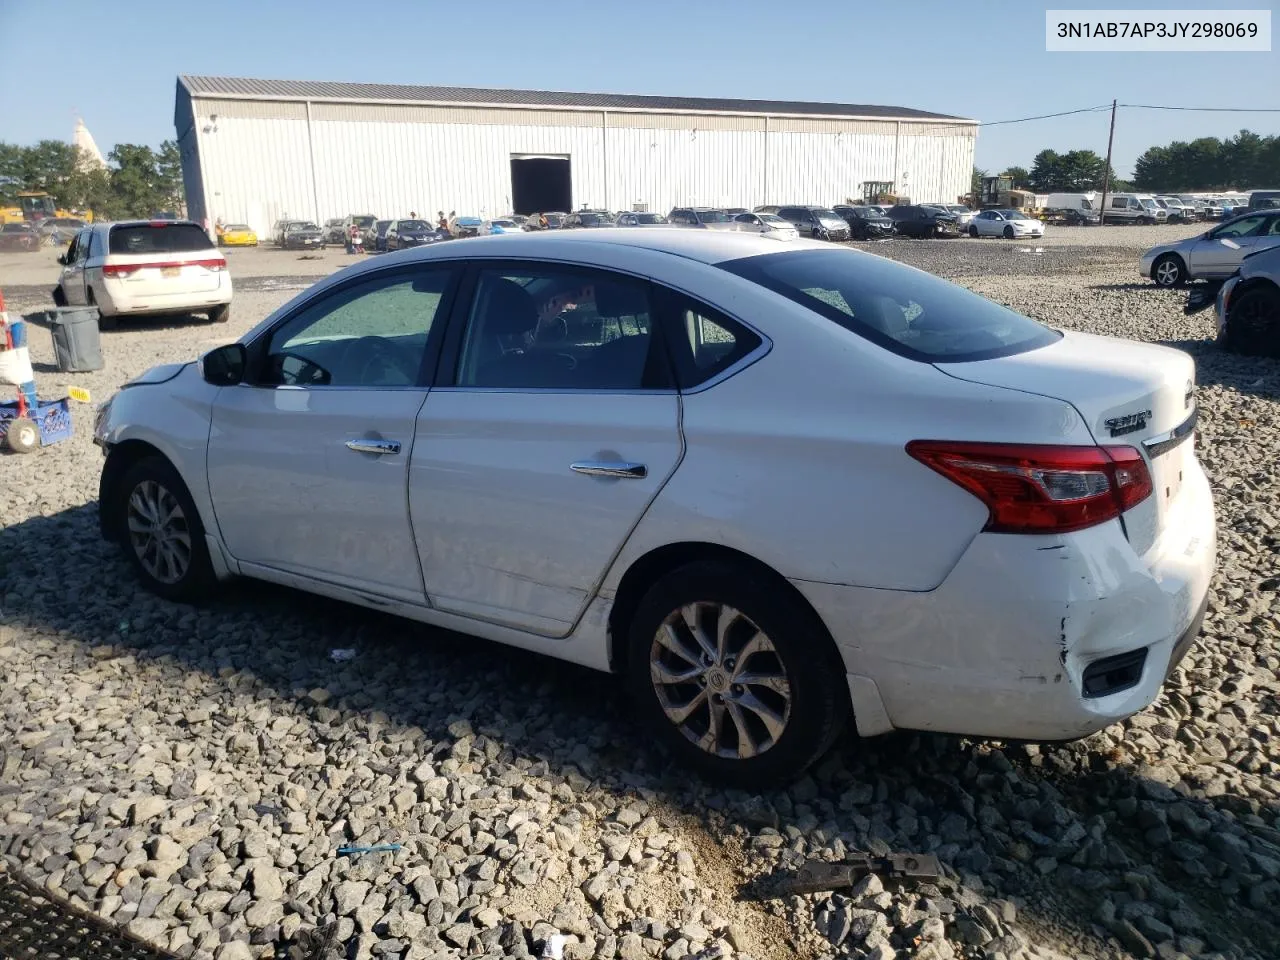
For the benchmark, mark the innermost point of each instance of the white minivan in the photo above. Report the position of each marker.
(1072, 207)
(1134, 208)
(137, 267)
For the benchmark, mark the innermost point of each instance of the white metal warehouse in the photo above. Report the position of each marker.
(256, 151)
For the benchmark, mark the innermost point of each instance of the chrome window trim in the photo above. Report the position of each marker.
(1163, 443)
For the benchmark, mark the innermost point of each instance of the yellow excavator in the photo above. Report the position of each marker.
(36, 205)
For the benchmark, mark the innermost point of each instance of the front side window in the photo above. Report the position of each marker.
(548, 327)
(371, 334)
(904, 310)
(1244, 227)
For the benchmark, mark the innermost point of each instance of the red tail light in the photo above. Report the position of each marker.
(1041, 489)
(118, 270)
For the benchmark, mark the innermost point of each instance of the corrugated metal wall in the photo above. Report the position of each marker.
(256, 162)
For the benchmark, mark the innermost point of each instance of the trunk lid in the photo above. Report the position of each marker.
(1129, 394)
(163, 274)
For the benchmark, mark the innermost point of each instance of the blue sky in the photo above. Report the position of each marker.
(975, 58)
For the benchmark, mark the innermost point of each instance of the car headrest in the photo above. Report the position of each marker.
(621, 299)
(509, 309)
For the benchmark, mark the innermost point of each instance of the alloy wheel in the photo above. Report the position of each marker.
(720, 680)
(158, 532)
(1167, 273)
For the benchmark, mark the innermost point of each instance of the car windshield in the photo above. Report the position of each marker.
(712, 216)
(1148, 204)
(363, 222)
(1013, 215)
(772, 218)
(905, 310)
(503, 223)
(556, 218)
(650, 218)
(381, 225)
(158, 238)
(827, 215)
(957, 208)
(414, 225)
(305, 225)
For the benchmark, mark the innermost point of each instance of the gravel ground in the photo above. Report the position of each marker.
(191, 773)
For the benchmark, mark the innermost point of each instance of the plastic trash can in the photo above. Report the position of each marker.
(77, 347)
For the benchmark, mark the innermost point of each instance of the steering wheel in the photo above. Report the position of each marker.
(374, 357)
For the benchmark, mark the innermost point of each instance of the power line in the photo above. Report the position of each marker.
(1149, 106)
(1046, 116)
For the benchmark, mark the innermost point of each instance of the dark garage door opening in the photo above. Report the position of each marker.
(540, 184)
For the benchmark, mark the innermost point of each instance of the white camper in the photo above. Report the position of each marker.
(1072, 207)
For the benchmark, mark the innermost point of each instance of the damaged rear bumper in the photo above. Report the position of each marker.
(1009, 644)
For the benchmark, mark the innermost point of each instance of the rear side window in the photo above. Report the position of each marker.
(703, 342)
(905, 310)
(166, 238)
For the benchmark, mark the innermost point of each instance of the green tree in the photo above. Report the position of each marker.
(169, 176)
(1076, 170)
(975, 183)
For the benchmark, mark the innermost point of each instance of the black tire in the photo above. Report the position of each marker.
(1169, 271)
(197, 581)
(973, 231)
(59, 298)
(220, 314)
(23, 435)
(803, 654)
(105, 322)
(1008, 233)
(1253, 323)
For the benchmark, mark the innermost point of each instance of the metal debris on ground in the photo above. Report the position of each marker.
(34, 923)
(821, 876)
(379, 848)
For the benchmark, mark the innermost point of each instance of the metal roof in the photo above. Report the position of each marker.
(323, 90)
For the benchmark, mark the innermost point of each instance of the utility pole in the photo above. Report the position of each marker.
(1106, 173)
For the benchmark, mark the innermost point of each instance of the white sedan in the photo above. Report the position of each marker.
(1010, 224)
(768, 224)
(782, 488)
(499, 227)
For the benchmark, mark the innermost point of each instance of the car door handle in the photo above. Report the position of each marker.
(379, 447)
(608, 468)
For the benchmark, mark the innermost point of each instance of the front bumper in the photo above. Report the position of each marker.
(1002, 648)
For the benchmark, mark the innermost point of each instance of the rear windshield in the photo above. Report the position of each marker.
(650, 218)
(363, 221)
(905, 310)
(159, 238)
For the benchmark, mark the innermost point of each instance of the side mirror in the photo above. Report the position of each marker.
(225, 366)
(62, 259)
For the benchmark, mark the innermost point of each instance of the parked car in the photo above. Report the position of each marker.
(1134, 208)
(1264, 200)
(921, 222)
(238, 235)
(962, 213)
(303, 235)
(401, 234)
(764, 568)
(334, 230)
(375, 237)
(589, 219)
(637, 219)
(1010, 224)
(19, 236)
(701, 218)
(63, 227)
(499, 227)
(361, 221)
(1178, 212)
(144, 267)
(465, 226)
(282, 228)
(820, 223)
(554, 221)
(769, 224)
(864, 223)
(1216, 253)
(1248, 306)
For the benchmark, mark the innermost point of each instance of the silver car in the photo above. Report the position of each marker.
(637, 219)
(1248, 306)
(1213, 254)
